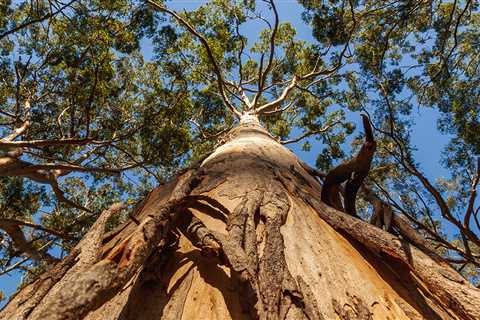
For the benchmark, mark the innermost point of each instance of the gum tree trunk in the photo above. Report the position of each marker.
(245, 236)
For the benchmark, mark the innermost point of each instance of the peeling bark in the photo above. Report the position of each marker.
(245, 236)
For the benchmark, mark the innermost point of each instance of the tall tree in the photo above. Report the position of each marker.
(239, 227)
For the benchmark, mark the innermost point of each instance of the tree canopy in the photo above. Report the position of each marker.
(101, 100)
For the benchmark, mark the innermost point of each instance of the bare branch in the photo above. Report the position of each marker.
(14, 266)
(19, 263)
(46, 143)
(263, 74)
(139, 163)
(6, 221)
(288, 106)
(315, 73)
(59, 120)
(61, 197)
(280, 99)
(11, 166)
(240, 52)
(20, 130)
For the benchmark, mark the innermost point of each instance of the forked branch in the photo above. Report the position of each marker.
(275, 103)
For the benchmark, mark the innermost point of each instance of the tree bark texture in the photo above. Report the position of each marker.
(245, 235)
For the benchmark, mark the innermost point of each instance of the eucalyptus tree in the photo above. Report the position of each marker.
(239, 227)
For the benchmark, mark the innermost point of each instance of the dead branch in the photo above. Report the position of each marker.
(353, 172)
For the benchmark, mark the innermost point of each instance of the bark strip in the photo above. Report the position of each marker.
(450, 289)
(90, 287)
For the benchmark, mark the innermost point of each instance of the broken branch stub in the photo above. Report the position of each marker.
(353, 172)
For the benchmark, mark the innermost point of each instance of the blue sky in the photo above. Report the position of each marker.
(426, 138)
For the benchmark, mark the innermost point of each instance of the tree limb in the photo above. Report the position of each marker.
(7, 221)
(280, 99)
(309, 133)
(41, 19)
(45, 143)
(473, 194)
(203, 40)
(353, 171)
(12, 228)
(263, 74)
(20, 130)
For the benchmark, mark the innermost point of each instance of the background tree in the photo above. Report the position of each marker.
(81, 101)
(79, 105)
(421, 54)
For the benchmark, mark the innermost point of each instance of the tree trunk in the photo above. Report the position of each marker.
(245, 236)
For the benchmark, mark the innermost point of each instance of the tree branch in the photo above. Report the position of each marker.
(203, 40)
(353, 171)
(263, 74)
(20, 130)
(19, 263)
(41, 19)
(46, 143)
(6, 221)
(309, 133)
(280, 99)
(12, 228)
(473, 194)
